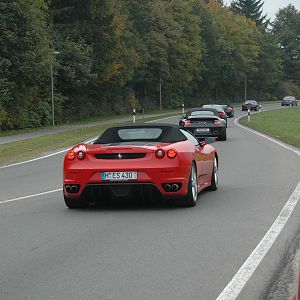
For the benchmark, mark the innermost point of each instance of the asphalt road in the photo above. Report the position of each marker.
(133, 251)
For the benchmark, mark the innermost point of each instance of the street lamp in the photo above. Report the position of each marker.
(52, 87)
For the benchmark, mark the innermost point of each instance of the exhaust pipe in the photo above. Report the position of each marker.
(68, 188)
(74, 189)
(168, 187)
(175, 187)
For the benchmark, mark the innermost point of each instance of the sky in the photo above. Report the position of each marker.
(272, 6)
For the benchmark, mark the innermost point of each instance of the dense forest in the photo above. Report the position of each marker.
(109, 56)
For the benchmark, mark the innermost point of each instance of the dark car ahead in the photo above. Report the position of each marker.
(202, 126)
(289, 101)
(221, 112)
(251, 104)
(201, 111)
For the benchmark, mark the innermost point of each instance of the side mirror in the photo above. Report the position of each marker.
(206, 141)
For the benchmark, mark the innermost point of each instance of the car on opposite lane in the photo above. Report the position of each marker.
(289, 101)
(160, 159)
(251, 104)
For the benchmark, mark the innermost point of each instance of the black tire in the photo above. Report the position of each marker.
(223, 136)
(76, 203)
(214, 177)
(191, 197)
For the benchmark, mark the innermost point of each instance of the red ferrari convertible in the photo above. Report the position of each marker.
(147, 159)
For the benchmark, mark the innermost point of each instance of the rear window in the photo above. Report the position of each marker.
(139, 133)
(202, 112)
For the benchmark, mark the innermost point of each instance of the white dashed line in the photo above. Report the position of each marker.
(30, 196)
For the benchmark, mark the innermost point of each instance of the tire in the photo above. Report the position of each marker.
(191, 198)
(75, 203)
(214, 177)
(222, 137)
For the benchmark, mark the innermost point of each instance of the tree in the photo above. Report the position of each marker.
(251, 9)
(286, 29)
(25, 63)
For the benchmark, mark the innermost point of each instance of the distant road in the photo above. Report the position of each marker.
(132, 251)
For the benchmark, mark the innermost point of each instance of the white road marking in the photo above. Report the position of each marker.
(61, 151)
(30, 196)
(235, 286)
(34, 159)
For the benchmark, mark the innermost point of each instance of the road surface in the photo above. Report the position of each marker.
(133, 251)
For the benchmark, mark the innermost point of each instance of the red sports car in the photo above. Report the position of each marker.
(145, 160)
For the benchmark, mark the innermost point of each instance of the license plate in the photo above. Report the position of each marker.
(118, 176)
(202, 130)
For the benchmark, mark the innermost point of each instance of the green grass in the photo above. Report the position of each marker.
(81, 121)
(283, 124)
(22, 150)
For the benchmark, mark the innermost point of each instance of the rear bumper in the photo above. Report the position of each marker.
(213, 132)
(148, 179)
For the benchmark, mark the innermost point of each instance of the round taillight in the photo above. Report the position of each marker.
(171, 153)
(71, 155)
(80, 155)
(160, 153)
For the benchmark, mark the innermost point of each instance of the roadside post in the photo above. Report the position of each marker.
(133, 115)
(249, 117)
(143, 113)
(182, 108)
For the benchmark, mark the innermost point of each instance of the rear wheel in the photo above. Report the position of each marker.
(223, 136)
(214, 177)
(76, 203)
(191, 198)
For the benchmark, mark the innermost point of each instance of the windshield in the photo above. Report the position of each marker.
(139, 133)
(202, 112)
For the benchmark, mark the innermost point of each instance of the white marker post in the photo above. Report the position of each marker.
(249, 118)
(182, 108)
(133, 115)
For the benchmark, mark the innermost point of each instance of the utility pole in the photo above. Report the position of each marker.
(245, 87)
(52, 88)
(160, 100)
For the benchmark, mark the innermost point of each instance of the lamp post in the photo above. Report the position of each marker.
(52, 88)
(160, 98)
(245, 88)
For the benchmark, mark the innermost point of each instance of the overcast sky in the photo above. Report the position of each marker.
(272, 6)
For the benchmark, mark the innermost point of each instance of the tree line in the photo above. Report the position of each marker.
(109, 56)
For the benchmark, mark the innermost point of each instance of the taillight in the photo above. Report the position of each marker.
(171, 153)
(186, 123)
(81, 155)
(160, 153)
(71, 155)
(221, 114)
(219, 123)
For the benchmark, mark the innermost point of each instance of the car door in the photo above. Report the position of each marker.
(202, 158)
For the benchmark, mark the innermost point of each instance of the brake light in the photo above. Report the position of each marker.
(160, 153)
(71, 155)
(171, 153)
(221, 114)
(219, 123)
(81, 155)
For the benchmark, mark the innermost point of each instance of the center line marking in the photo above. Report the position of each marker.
(30, 196)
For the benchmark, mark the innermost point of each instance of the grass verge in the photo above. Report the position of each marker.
(283, 124)
(22, 150)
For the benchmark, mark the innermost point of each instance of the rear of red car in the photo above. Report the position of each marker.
(124, 169)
